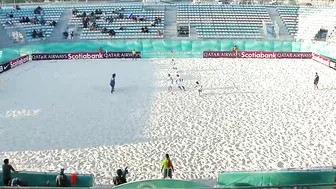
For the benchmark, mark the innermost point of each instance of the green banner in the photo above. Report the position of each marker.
(39, 179)
(163, 48)
(276, 178)
(163, 183)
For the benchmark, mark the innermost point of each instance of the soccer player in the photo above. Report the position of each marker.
(316, 80)
(170, 83)
(112, 82)
(199, 87)
(174, 65)
(180, 82)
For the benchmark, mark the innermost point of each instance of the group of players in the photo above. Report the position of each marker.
(179, 81)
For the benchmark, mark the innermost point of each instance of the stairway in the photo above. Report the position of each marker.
(5, 38)
(275, 17)
(170, 26)
(61, 26)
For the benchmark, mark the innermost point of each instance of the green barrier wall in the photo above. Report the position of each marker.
(163, 183)
(162, 48)
(40, 179)
(276, 178)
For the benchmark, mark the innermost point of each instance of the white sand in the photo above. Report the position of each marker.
(253, 115)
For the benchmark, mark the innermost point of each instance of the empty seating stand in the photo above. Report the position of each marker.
(131, 29)
(50, 13)
(304, 22)
(224, 21)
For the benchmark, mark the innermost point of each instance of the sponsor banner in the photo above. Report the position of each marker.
(321, 59)
(84, 55)
(220, 54)
(172, 53)
(256, 54)
(121, 55)
(53, 56)
(276, 55)
(17, 62)
(5, 67)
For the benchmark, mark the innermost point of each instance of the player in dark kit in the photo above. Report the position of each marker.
(112, 82)
(316, 80)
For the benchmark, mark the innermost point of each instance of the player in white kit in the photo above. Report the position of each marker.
(170, 83)
(180, 82)
(199, 87)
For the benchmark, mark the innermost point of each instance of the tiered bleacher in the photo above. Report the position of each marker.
(126, 21)
(225, 21)
(43, 21)
(304, 22)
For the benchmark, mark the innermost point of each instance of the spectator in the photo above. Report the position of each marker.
(16, 8)
(53, 23)
(6, 172)
(11, 15)
(112, 32)
(9, 23)
(65, 34)
(120, 16)
(92, 28)
(27, 20)
(142, 30)
(74, 11)
(72, 34)
(235, 49)
(34, 34)
(38, 10)
(141, 18)
(153, 24)
(120, 27)
(40, 34)
(159, 32)
(62, 180)
(42, 21)
(17, 182)
(146, 29)
(98, 11)
(104, 30)
(35, 20)
(167, 167)
(84, 14)
(121, 177)
(22, 20)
